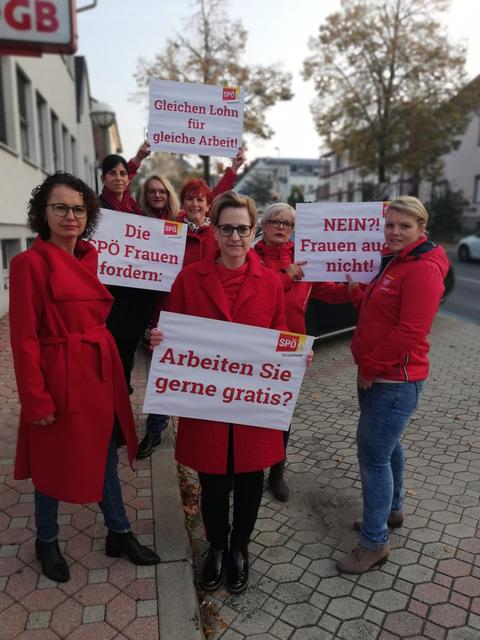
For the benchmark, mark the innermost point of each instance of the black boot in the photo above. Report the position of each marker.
(126, 544)
(212, 569)
(148, 444)
(237, 569)
(52, 561)
(277, 481)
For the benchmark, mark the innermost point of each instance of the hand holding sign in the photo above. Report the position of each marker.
(225, 371)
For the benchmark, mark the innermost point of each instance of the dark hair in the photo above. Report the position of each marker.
(111, 161)
(38, 203)
(195, 187)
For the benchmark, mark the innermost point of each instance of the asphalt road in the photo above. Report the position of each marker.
(464, 301)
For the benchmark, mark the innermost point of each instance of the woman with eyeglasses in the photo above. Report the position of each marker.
(233, 286)
(196, 198)
(276, 251)
(158, 198)
(75, 409)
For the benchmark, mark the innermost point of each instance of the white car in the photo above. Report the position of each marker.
(469, 248)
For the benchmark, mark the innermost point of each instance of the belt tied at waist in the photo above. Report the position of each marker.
(96, 336)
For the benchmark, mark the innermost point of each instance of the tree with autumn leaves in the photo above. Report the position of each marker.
(209, 51)
(391, 87)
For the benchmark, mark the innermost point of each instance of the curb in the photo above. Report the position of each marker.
(178, 608)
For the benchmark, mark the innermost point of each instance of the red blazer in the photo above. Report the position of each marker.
(66, 364)
(197, 291)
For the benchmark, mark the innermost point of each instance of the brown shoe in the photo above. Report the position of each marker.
(360, 559)
(278, 484)
(395, 520)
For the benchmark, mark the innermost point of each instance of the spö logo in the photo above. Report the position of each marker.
(230, 93)
(290, 342)
(171, 229)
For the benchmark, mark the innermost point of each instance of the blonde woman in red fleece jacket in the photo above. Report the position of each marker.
(390, 348)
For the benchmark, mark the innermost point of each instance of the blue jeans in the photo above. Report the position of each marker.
(114, 515)
(156, 423)
(385, 410)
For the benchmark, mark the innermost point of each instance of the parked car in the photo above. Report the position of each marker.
(469, 248)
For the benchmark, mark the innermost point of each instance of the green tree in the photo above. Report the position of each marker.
(446, 208)
(175, 167)
(259, 187)
(295, 196)
(209, 50)
(389, 86)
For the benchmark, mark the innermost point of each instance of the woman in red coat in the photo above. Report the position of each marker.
(196, 198)
(276, 251)
(232, 286)
(74, 400)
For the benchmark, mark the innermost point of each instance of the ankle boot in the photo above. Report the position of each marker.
(237, 569)
(52, 561)
(212, 570)
(126, 544)
(361, 559)
(277, 481)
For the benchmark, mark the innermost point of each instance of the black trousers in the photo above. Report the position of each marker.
(215, 503)
(128, 319)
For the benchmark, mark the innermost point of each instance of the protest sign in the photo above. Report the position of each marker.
(339, 238)
(224, 371)
(195, 118)
(139, 252)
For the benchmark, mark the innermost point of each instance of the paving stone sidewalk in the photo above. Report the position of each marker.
(105, 598)
(430, 588)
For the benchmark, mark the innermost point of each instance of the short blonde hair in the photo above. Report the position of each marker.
(235, 200)
(277, 207)
(410, 206)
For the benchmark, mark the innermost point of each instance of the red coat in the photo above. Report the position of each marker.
(396, 314)
(66, 364)
(297, 292)
(203, 444)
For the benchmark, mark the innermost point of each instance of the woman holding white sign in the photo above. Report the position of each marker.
(276, 251)
(75, 409)
(390, 348)
(196, 198)
(233, 286)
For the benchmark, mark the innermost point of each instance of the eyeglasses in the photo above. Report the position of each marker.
(281, 223)
(161, 192)
(61, 210)
(227, 230)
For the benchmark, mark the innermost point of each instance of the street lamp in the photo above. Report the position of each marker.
(103, 116)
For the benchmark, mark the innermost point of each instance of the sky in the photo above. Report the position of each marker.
(115, 34)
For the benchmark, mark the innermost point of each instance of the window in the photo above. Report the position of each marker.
(41, 106)
(73, 149)
(55, 141)
(350, 192)
(22, 90)
(476, 189)
(65, 149)
(3, 115)
(10, 248)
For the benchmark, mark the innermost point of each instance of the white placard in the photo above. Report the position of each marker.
(224, 371)
(195, 118)
(339, 238)
(139, 252)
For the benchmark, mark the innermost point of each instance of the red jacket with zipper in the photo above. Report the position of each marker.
(396, 314)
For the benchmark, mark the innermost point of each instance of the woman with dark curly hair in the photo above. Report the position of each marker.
(75, 408)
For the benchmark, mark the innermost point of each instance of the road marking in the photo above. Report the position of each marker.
(467, 279)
